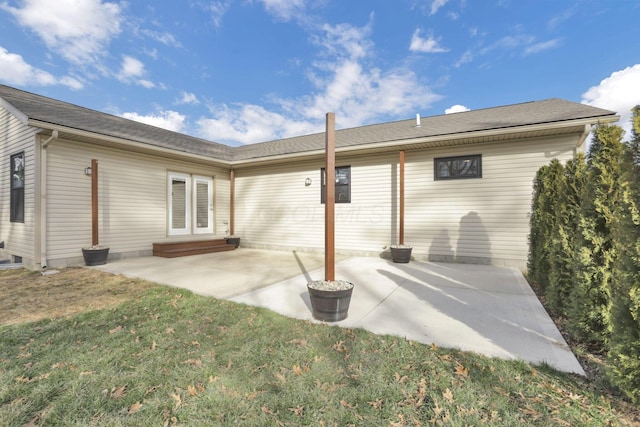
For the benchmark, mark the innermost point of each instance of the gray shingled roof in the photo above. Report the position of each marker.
(530, 113)
(60, 113)
(48, 110)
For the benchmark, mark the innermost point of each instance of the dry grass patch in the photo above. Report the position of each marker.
(27, 296)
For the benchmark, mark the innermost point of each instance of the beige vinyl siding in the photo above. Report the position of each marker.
(132, 200)
(274, 208)
(15, 138)
(483, 220)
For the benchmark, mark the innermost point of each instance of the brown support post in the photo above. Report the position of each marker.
(232, 186)
(330, 198)
(401, 235)
(94, 202)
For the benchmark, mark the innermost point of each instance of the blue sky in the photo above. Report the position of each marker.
(246, 71)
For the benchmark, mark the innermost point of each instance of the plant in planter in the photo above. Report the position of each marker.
(94, 254)
(401, 253)
(330, 299)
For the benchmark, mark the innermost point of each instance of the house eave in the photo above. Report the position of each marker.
(116, 142)
(577, 127)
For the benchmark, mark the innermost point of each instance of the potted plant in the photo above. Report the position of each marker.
(330, 299)
(401, 253)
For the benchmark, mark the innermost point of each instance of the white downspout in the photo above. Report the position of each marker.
(43, 199)
(580, 146)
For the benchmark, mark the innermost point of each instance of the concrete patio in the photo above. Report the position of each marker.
(485, 309)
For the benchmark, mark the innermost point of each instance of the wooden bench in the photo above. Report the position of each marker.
(186, 248)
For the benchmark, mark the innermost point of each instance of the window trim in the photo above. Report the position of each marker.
(323, 179)
(437, 160)
(16, 193)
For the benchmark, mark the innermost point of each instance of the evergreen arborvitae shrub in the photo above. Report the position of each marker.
(565, 234)
(624, 345)
(542, 221)
(590, 308)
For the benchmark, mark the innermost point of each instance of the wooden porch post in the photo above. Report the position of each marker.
(401, 234)
(94, 202)
(232, 186)
(329, 201)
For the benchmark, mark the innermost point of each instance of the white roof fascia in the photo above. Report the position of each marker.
(13, 110)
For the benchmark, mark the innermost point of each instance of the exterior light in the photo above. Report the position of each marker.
(87, 171)
(307, 182)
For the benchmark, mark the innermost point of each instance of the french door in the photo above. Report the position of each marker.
(190, 204)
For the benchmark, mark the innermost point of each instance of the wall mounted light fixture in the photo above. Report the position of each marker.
(87, 171)
(307, 182)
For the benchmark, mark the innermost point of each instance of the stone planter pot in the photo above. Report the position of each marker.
(233, 241)
(95, 256)
(330, 299)
(401, 254)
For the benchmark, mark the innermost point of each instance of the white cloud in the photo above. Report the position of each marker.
(428, 45)
(346, 84)
(464, 59)
(14, 70)
(188, 98)
(249, 123)
(167, 119)
(619, 92)
(132, 70)
(539, 47)
(285, 9)
(437, 4)
(456, 109)
(167, 39)
(218, 9)
(78, 30)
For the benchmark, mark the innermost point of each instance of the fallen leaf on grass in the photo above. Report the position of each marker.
(118, 392)
(177, 398)
(462, 371)
(153, 345)
(115, 330)
(346, 404)
(268, 411)
(448, 395)
(377, 404)
(135, 408)
(298, 410)
(192, 390)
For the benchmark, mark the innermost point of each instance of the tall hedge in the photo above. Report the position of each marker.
(590, 309)
(564, 235)
(624, 346)
(588, 252)
(545, 193)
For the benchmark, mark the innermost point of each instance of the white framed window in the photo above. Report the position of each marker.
(190, 204)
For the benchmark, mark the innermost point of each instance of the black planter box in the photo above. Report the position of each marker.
(95, 256)
(401, 255)
(330, 305)
(233, 241)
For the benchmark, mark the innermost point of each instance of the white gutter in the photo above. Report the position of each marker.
(42, 211)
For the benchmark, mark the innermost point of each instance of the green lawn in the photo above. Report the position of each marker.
(165, 356)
